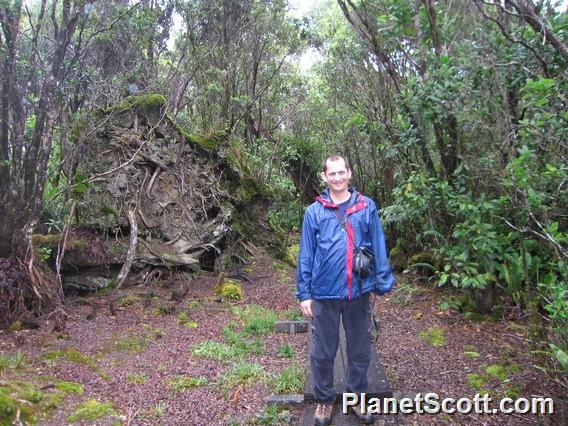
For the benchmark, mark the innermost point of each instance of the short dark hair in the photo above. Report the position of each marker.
(334, 157)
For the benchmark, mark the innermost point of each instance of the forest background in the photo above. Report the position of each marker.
(453, 114)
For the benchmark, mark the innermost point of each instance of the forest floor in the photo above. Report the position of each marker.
(199, 359)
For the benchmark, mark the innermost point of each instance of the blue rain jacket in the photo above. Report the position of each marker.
(325, 260)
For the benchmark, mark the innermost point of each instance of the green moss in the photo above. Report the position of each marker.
(291, 256)
(132, 344)
(471, 354)
(163, 309)
(92, 410)
(433, 336)
(476, 382)
(184, 320)
(70, 387)
(146, 102)
(501, 372)
(23, 400)
(181, 383)
(15, 326)
(13, 401)
(230, 289)
(475, 316)
(127, 300)
(72, 355)
(207, 141)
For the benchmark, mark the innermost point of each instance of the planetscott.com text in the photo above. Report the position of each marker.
(431, 403)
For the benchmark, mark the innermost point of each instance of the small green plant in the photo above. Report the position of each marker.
(476, 382)
(271, 415)
(11, 362)
(289, 380)
(184, 320)
(242, 373)
(285, 351)
(193, 305)
(214, 350)
(434, 336)
(181, 383)
(405, 293)
(136, 379)
(91, 410)
(471, 354)
(230, 289)
(293, 314)
(256, 320)
(45, 253)
(157, 410)
(501, 372)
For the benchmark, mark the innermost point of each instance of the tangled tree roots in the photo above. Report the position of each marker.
(26, 291)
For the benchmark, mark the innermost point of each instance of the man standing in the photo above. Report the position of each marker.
(340, 221)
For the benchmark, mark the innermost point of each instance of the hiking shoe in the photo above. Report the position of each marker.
(363, 417)
(322, 416)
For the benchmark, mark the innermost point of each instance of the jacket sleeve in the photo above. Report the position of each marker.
(383, 273)
(306, 257)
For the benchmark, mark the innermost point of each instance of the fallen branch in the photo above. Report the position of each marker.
(131, 249)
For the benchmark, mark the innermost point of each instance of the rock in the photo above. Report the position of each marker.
(86, 282)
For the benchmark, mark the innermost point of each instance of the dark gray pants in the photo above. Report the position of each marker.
(356, 317)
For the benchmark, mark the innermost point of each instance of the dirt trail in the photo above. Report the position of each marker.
(201, 360)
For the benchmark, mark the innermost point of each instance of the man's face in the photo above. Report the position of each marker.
(336, 175)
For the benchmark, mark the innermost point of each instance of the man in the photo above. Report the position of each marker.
(338, 222)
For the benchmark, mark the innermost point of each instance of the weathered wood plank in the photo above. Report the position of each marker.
(285, 400)
(291, 327)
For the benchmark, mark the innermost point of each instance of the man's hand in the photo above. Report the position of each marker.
(306, 306)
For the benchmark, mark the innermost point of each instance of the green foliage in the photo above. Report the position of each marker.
(92, 410)
(214, 350)
(241, 373)
(477, 382)
(70, 387)
(184, 320)
(133, 344)
(72, 355)
(293, 314)
(230, 289)
(182, 383)
(271, 415)
(11, 362)
(433, 336)
(255, 319)
(285, 351)
(289, 381)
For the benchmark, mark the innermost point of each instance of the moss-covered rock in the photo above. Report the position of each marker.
(207, 141)
(230, 289)
(147, 102)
